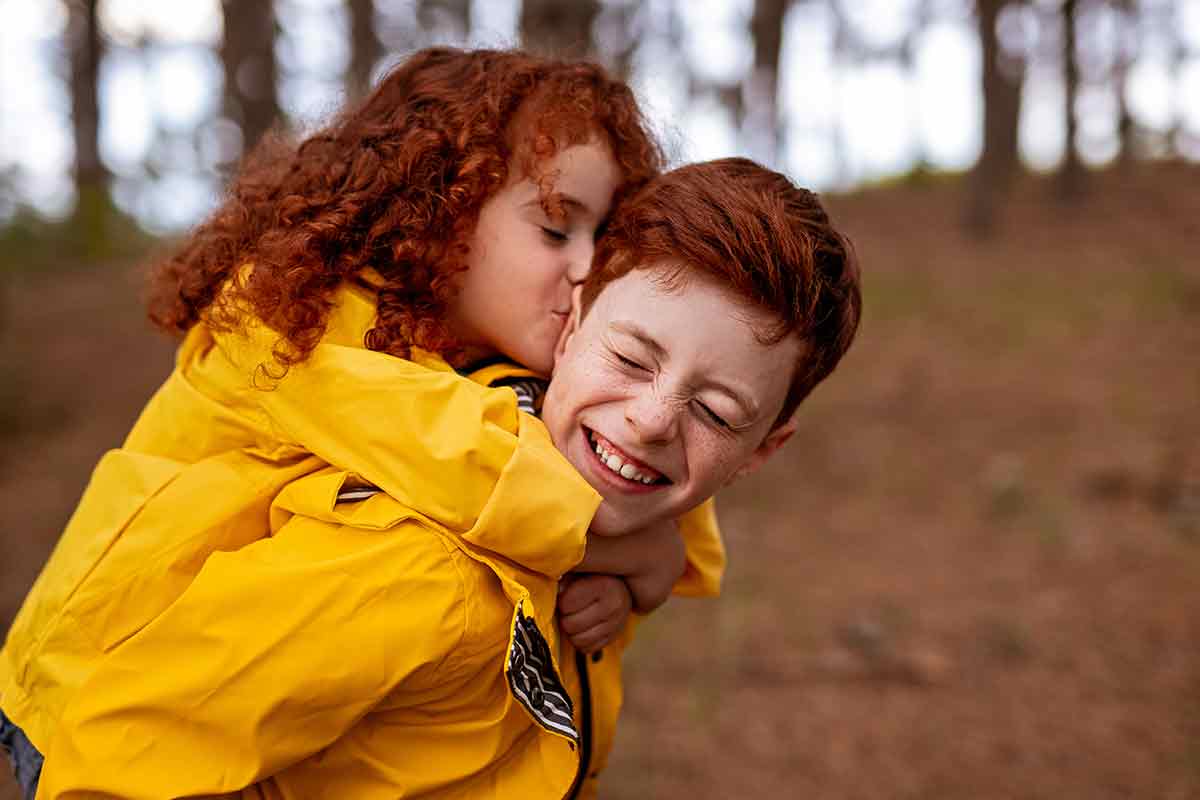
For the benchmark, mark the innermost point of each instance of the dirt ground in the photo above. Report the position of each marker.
(974, 573)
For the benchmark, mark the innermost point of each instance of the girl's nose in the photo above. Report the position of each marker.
(579, 261)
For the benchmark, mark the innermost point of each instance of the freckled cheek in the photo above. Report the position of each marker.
(709, 463)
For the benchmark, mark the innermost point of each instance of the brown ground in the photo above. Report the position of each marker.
(975, 573)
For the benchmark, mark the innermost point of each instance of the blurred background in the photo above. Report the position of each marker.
(975, 573)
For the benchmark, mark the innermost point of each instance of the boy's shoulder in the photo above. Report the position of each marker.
(529, 386)
(499, 372)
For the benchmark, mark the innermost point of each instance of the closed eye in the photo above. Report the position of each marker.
(713, 417)
(629, 362)
(553, 235)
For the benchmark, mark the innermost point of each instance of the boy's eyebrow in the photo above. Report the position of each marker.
(633, 330)
(636, 331)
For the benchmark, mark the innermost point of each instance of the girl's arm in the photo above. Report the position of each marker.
(271, 654)
(684, 557)
(435, 441)
(638, 572)
(391, 421)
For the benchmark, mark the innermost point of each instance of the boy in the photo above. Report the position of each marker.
(422, 660)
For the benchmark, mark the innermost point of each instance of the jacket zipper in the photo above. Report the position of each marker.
(585, 735)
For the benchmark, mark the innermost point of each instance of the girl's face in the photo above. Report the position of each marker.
(515, 296)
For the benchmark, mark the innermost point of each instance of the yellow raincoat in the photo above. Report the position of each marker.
(401, 646)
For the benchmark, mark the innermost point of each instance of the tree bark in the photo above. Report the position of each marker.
(1178, 56)
(365, 48)
(999, 158)
(845, 51)
(1123, 58)
(86, 50)
(1070, 174)
(251, 72)
(760, 107)
(559, 28)
(457, 11)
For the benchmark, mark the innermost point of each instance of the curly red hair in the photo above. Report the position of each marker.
(754, 232)
(396, 184)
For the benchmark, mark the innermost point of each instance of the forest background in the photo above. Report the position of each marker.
(974, 574)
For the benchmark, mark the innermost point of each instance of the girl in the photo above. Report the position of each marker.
(325, 305)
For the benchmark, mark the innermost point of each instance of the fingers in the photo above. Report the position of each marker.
(583, 590)
(588, 617)
(593, 610)
(596, 638)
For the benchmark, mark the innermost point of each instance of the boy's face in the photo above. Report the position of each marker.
(663, 395)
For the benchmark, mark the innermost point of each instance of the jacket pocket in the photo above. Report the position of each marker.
(316, 496)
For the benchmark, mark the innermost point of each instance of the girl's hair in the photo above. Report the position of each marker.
(395, 183)
(756, 234)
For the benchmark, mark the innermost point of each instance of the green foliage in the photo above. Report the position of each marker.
(95, 232)
(921, 175)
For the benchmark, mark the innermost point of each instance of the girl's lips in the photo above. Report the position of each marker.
(610, 478)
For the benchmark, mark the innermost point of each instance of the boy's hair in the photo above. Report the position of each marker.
(754, 232)
(395, 183)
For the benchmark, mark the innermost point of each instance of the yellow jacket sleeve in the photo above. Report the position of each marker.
(272, 653)
(391, 421)
(705, 552)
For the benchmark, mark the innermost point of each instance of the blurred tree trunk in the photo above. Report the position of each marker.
(365, 48)
(760, 103)
(999, 159)
(1178, 56)
(616, 34)
(844, 47)
(251, 72)
(86, 50)
(1070, 174)
(1123, 59)
(561, 28)
(446, 18)
(1127, 131)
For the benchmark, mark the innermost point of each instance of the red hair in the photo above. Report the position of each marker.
(755, 233)
(396, 184)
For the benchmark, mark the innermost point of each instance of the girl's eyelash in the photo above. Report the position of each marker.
(553, 235)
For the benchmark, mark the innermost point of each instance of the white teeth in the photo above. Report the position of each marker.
(614, 462)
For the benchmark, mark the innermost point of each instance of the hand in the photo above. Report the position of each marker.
(592, 609)
(651, 561)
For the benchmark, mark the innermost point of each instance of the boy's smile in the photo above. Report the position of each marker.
(656, 411)
(621, 463)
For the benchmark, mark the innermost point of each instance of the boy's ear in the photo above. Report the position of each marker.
(775, 440)
(572, 324)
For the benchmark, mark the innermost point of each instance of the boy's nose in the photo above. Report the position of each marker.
(653, 419)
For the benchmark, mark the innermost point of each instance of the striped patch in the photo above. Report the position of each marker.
(529, 391)
(533, 681)
(352, 494)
